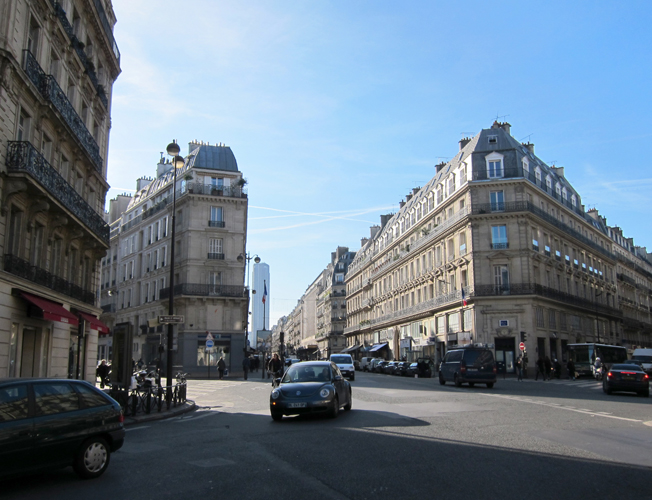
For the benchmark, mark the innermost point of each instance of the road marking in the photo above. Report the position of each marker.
(204, 414)
(137, 428)
(559, 407)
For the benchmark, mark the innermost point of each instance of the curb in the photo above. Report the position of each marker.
(174, 412)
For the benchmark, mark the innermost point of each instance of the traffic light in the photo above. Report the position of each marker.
(523, 336)
(282, 337)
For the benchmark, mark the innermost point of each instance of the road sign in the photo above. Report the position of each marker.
(209, 336)
(209, 344)
(521, 346)
(170, 319)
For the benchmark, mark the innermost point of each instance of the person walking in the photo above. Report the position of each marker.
(548, 365)
(570, 366)
(275, 366)
(519, 368)
(557, 368)
(540, 369)
(246, 364)
(102, 371)
(221, 366)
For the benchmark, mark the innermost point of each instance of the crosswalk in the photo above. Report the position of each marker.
(198, 388)
(581, 383)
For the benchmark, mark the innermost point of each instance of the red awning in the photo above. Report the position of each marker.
(50, 310)
(96, 324)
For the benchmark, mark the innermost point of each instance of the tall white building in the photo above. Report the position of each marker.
(259, 308)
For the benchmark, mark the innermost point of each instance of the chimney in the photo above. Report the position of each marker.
(408, 197)
(374, 230)
(384, 219)
(529, 146)
(415, 190)
(441, 165)
(363, 242)
(464, 142)
(506, 127)
(401, 204)
(559, 171)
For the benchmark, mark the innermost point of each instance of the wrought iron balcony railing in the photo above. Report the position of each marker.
(50, 90)
(215, 223)
(23, 269)
(23, 157)
(204, 290)
(209, 189)
(216, 256)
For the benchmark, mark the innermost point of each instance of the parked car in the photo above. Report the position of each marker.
(468, 365)
(55, 423)
(390, 367)
(645, 357)
(310, 387)
(365, 364)
(420, 367)
(345, 363)
(402, 368)
(291, 361)
(628, 378)
(378, 367)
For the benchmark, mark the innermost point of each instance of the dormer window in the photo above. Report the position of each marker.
(558, 189)
(526, 165)
(537, 174)
(573, 201)
(494, 165)
(548, 183)
(493, 139)
(564, 193)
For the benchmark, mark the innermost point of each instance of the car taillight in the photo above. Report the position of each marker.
(610, 375)
(463, 367)
(645, 377)
(121, 418)
(495, 369)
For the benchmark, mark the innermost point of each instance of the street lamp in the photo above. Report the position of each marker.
(173, 150)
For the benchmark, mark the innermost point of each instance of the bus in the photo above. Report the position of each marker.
(583, 355)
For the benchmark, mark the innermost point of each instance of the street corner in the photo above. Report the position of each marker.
(187, 407)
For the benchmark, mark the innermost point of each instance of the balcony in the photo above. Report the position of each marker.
(215, 256)
(215, 223)
(209, 189)
(22, 157)
(51, 92)
(23, 269)
(107, 29)
(205, 290)
(499, 246)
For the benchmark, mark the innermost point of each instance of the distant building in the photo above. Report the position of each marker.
(211, 225)
(496, 248)
(58, 63)
(259, 309)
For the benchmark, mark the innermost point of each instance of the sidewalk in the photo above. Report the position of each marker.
(140, 418)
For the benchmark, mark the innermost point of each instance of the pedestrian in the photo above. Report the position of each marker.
(519, 368)
(557, 367)
(246, 364)
(571, 369)
(540, 369)
(274, 366)
(102, 371)
(221, 366)
(548, 365)
(140, 363)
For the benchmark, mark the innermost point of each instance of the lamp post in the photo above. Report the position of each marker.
(177, 162)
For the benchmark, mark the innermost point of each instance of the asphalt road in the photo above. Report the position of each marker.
(404, 438)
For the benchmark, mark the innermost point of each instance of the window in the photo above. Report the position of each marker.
(33, 36)
(499, 237)
(57, 246)
(537, 174)
(24, 121)
(215, 248)
(451, 184)
(526, 166)
(539, 317)
(494, 165)
(217, 182)
(493, 139)
(15, 231)
(55, 398)
(497, 201)
(214, 281)
(13, 403)
(339, 278)
(37, 244)
(501, 279)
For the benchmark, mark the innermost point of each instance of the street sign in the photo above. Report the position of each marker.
(209, 344)
(521, 346)
(209, 336)
(170, 319)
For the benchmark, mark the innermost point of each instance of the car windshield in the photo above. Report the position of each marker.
(341, 360)
(307, 373)
(630, 368)
(642, 359)
(478, 358)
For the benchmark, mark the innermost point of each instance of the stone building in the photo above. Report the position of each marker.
(58, 63)
(209, 291)
(497, 248)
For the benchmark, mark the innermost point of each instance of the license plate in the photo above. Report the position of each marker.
(296, 405)
(472, 369)
(629, 377)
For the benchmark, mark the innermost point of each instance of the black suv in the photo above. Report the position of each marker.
(468, 365)
(52, 423)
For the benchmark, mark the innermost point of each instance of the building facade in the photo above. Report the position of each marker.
(209, 291)
(58, 63)
(497, 249)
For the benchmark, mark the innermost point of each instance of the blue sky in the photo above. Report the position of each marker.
(335, 110)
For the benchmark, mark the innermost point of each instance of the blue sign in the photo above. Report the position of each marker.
(209, 344)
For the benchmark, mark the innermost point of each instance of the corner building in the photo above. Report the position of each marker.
(496, 248)
(209, 291)
(58, 63)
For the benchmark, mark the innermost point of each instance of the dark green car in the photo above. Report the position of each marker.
(56, 423)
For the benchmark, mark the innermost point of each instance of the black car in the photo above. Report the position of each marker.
(310, 387)
(421, 368)
(402, 368)
(52, 423)
(468, 365)
(390, 367)
(628, 378)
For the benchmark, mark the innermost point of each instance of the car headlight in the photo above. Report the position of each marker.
(324, 393)
(276, 393)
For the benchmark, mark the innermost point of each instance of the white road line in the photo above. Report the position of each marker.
(194, 417)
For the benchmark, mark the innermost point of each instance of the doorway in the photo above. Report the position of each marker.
(34, 352)
(505, 355)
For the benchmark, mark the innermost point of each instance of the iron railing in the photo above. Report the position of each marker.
(23, 269)
(209, 189)
(215, 256)
(149, 398)
(107, 29)
(205, 290)
(215, 223)
(50, 90)
(23, 157)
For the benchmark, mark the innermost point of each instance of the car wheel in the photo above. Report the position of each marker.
(441, 379)
(490, 385)
(605, 388)
(277, 416)
(335, 409)
(352, 377)
(92, 459)
(347, 406)
(458, 382)
(471, 384)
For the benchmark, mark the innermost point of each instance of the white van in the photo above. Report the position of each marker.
(645, 357)
(345, 363)
(365, 363)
